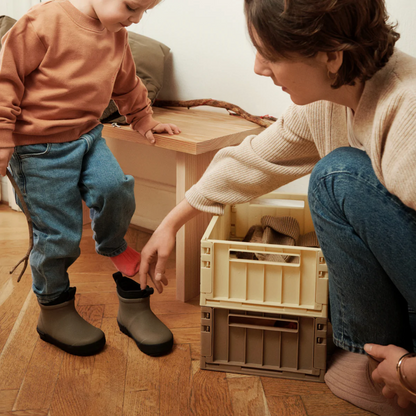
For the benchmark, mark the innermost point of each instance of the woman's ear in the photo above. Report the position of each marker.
(334, 61)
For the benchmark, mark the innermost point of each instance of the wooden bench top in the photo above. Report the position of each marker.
(202, 131)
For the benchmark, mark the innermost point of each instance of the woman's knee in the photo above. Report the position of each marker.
(344, 160)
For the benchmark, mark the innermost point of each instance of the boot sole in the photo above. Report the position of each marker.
(82, 350)
(154, 350)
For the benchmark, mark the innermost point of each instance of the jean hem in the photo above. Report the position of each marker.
(348, 346)
(48, 298)
(114, 253)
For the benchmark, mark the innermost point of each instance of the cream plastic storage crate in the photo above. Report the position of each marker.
(296, 288)
(263, 344)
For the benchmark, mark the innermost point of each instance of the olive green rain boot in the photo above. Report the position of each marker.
(136, 319)
(60, 324)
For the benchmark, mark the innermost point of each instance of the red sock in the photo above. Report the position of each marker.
(128, 262)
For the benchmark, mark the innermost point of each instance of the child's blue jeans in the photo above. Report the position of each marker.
(54, 178)
(368, 237)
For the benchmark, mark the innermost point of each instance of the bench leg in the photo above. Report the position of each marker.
(189, 168)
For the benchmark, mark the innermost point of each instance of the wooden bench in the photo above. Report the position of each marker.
(203, 134)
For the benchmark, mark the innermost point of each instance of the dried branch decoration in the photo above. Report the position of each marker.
(234, 110)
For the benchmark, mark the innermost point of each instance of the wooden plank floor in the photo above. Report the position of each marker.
(37, 379)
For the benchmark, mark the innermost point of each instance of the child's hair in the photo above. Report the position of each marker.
(359, 28)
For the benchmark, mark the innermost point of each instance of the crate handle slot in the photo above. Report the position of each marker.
(206, 264)
(264, 257)
(263, 323)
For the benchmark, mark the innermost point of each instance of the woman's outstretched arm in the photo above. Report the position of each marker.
(156, 252)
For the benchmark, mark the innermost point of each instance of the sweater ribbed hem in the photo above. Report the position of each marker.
(60, 137)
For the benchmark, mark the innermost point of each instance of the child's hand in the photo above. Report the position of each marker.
(161, 128)
(5, 156)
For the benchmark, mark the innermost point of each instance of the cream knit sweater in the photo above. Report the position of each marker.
(385, 123)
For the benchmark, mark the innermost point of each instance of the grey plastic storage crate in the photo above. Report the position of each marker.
(298, 288)
(263, 344)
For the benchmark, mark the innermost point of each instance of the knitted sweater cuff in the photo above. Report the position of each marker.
(145, 124)
(203, 204)
(6, 138)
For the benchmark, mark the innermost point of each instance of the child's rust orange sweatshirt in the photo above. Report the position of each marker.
(58, 71)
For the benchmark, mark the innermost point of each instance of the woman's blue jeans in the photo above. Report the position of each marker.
(368, 237)
(54, 179)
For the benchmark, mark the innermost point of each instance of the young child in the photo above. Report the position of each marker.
(60, 65)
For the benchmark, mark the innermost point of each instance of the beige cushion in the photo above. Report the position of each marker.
(149, 56)
(6, 23)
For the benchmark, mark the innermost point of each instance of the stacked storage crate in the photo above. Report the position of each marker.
(263, 317)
